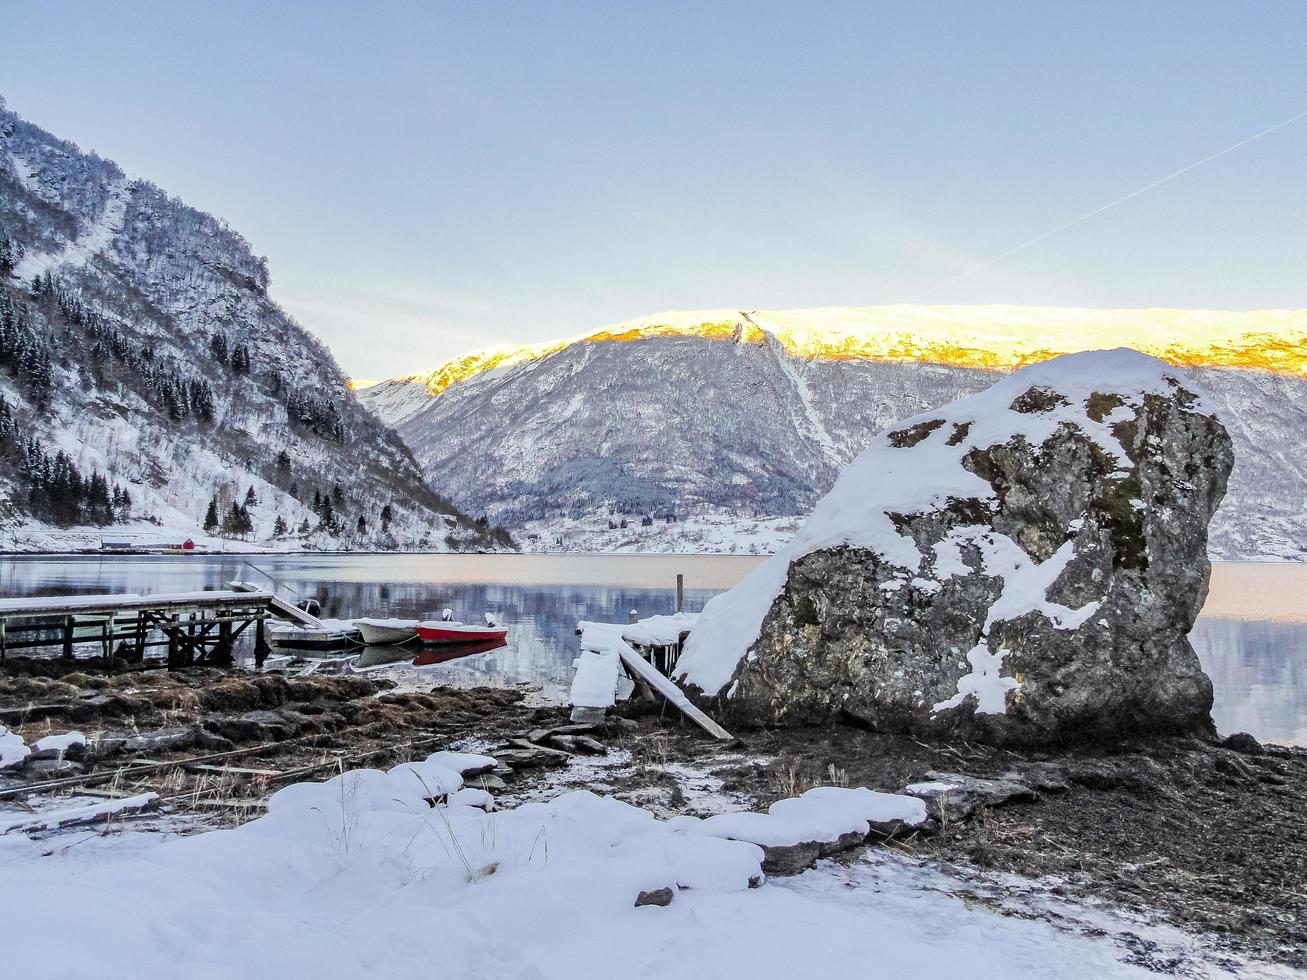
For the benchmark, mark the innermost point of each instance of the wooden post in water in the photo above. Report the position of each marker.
(68, 637)
(141, 629)
(633, 616)
(680, 592)
(260, 644)
(174, 629)
(223, 653)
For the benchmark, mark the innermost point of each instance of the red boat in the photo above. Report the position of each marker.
(445, 631)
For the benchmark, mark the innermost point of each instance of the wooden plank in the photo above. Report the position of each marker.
(234, 771)
(138, 769)
(670, 691)
(96, 812)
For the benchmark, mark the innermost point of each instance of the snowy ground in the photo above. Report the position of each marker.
(714, 533)
(360, 876)
(41, 538)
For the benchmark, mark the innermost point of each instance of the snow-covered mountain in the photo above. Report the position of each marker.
(145, 374)
(731, 423)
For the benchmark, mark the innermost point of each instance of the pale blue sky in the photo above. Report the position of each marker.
(426, 178)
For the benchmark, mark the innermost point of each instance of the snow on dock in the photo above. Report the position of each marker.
(652, 631)
(607, 647)
(213, 620)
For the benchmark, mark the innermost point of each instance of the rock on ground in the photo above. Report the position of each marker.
(1021, 566)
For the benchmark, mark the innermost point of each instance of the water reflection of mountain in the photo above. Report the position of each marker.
(1259, 670)
(1258, 666)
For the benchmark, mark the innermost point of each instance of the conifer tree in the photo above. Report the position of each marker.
(211, 516)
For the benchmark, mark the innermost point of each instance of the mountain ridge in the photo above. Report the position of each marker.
(556, 446)
(140, 346)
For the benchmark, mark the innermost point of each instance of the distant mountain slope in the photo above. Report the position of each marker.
(727, 420)
(139, 349)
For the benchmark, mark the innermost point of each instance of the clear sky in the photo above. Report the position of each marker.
(426, 178)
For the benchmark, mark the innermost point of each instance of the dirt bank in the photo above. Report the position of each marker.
(1210, 836)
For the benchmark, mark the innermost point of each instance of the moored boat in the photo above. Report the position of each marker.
(380, 632)
(447, 631)
(329, 635)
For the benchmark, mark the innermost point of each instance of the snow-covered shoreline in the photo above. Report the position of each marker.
(389, 884)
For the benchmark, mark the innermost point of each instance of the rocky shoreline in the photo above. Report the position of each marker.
(1200, 833)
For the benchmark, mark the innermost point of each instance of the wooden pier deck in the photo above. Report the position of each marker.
(196, 627)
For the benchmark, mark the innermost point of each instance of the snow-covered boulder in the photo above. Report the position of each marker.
(1021, 565)
(13, 750)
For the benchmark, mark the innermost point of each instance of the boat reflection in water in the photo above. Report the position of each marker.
(430, 656)
(376, 657)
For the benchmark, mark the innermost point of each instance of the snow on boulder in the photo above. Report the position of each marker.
(795, 832)
(1020, 565)
(13, 751)
(71, 745)
(467, 764)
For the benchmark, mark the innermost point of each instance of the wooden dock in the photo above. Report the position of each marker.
(648, 650)
(196, 627)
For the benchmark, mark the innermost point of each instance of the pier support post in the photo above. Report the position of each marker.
(680, 592)
(174, 630)
(68, 638)
(260, 644)
(222, 654)
(138, 654)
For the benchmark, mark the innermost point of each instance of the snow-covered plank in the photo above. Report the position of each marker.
(671, 692)
(652, 631)
(81, 814)
(47, 605)
(595, 682)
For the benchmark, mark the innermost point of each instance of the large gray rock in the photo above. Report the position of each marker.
(1020, 566)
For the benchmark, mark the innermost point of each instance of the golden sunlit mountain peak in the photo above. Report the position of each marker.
(983, 337)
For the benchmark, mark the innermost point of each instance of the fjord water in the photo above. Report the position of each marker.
(1251, 638)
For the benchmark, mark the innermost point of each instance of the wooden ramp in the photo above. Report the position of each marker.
(668, 689)
(602, 641)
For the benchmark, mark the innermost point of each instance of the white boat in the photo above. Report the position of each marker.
(383, 632)
(330, 634)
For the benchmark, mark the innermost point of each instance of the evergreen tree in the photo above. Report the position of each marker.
(232, 522)
(218, 347)
(279, 529)
(362, 526)
(211, 517)
(304, 527)
(387, 515)
(327, 518)
(250, 499)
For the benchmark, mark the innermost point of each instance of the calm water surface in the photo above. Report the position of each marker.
(1252, 637)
